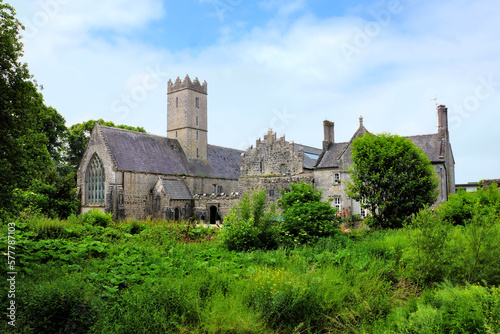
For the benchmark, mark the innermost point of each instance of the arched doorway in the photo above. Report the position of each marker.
(213, 214)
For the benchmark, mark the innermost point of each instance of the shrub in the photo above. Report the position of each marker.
(61, 306)
(461, 208)
(428, 256)
(251, 224)
(305, 217)
(458, 240)
(97, 218)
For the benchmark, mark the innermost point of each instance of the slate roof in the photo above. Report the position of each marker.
(329, 158)
(176, 189)
(142, 152)
(224, 161)
(432, 146)
(311, 154)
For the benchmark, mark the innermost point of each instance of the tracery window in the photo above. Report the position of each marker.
(95, 182)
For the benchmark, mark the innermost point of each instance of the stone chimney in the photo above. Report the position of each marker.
(329, 134)
(442, 121)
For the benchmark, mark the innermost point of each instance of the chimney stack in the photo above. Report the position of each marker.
(442, 121)
(328, 134)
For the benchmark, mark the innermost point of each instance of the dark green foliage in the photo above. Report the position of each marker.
(251, 224)
(305, 217)
(65, 305)
(97, 218)
(392, 176)
(25, 145)
(53, 196)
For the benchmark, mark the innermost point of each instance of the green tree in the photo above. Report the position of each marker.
(305, 217)
(79, 135)
(25, 148)
(391, 177)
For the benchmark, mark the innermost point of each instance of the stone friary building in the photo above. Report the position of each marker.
(138, 175)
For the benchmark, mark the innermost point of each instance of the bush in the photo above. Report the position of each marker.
(251, 224)
(469, 309)
(61, 306)
(305, 217)
(457, 241)
(461, 208)
(97, 218)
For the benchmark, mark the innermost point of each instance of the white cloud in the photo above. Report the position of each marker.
(287, 76)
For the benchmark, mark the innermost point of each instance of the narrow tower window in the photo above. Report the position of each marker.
(197, 102)
(197, 136)
(175, 134)
(95, 185)
(197, 153)
(177, 102)
(196, 120)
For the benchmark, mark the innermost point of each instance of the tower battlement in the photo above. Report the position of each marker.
(186, 84)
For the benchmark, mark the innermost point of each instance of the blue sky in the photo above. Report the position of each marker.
(286, 65)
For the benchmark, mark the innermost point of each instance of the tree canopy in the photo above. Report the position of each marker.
(391, 177)
(28, 137)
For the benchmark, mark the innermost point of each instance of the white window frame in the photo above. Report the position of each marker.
(336, 178)
(337, 203)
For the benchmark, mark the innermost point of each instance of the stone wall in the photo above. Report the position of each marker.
(222, 203)
(273, 184)
(96, 146)
(272, 157)
(205, 185)
(486, 183)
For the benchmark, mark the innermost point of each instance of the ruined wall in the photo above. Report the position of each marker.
(223, 203)
(272, 157)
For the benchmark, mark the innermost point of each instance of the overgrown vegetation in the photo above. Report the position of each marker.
(88, 274)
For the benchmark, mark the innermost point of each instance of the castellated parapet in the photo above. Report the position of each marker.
(187, 84)
(272, 156)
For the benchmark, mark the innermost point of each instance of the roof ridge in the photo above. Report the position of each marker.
(428, 134)
(107, 145)
(135, 132)
(228, 148)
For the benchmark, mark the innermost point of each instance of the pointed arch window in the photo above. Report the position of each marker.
(95, 183)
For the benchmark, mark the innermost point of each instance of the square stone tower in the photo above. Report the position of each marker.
(187, 116)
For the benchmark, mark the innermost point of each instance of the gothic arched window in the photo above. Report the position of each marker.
(95, 182)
